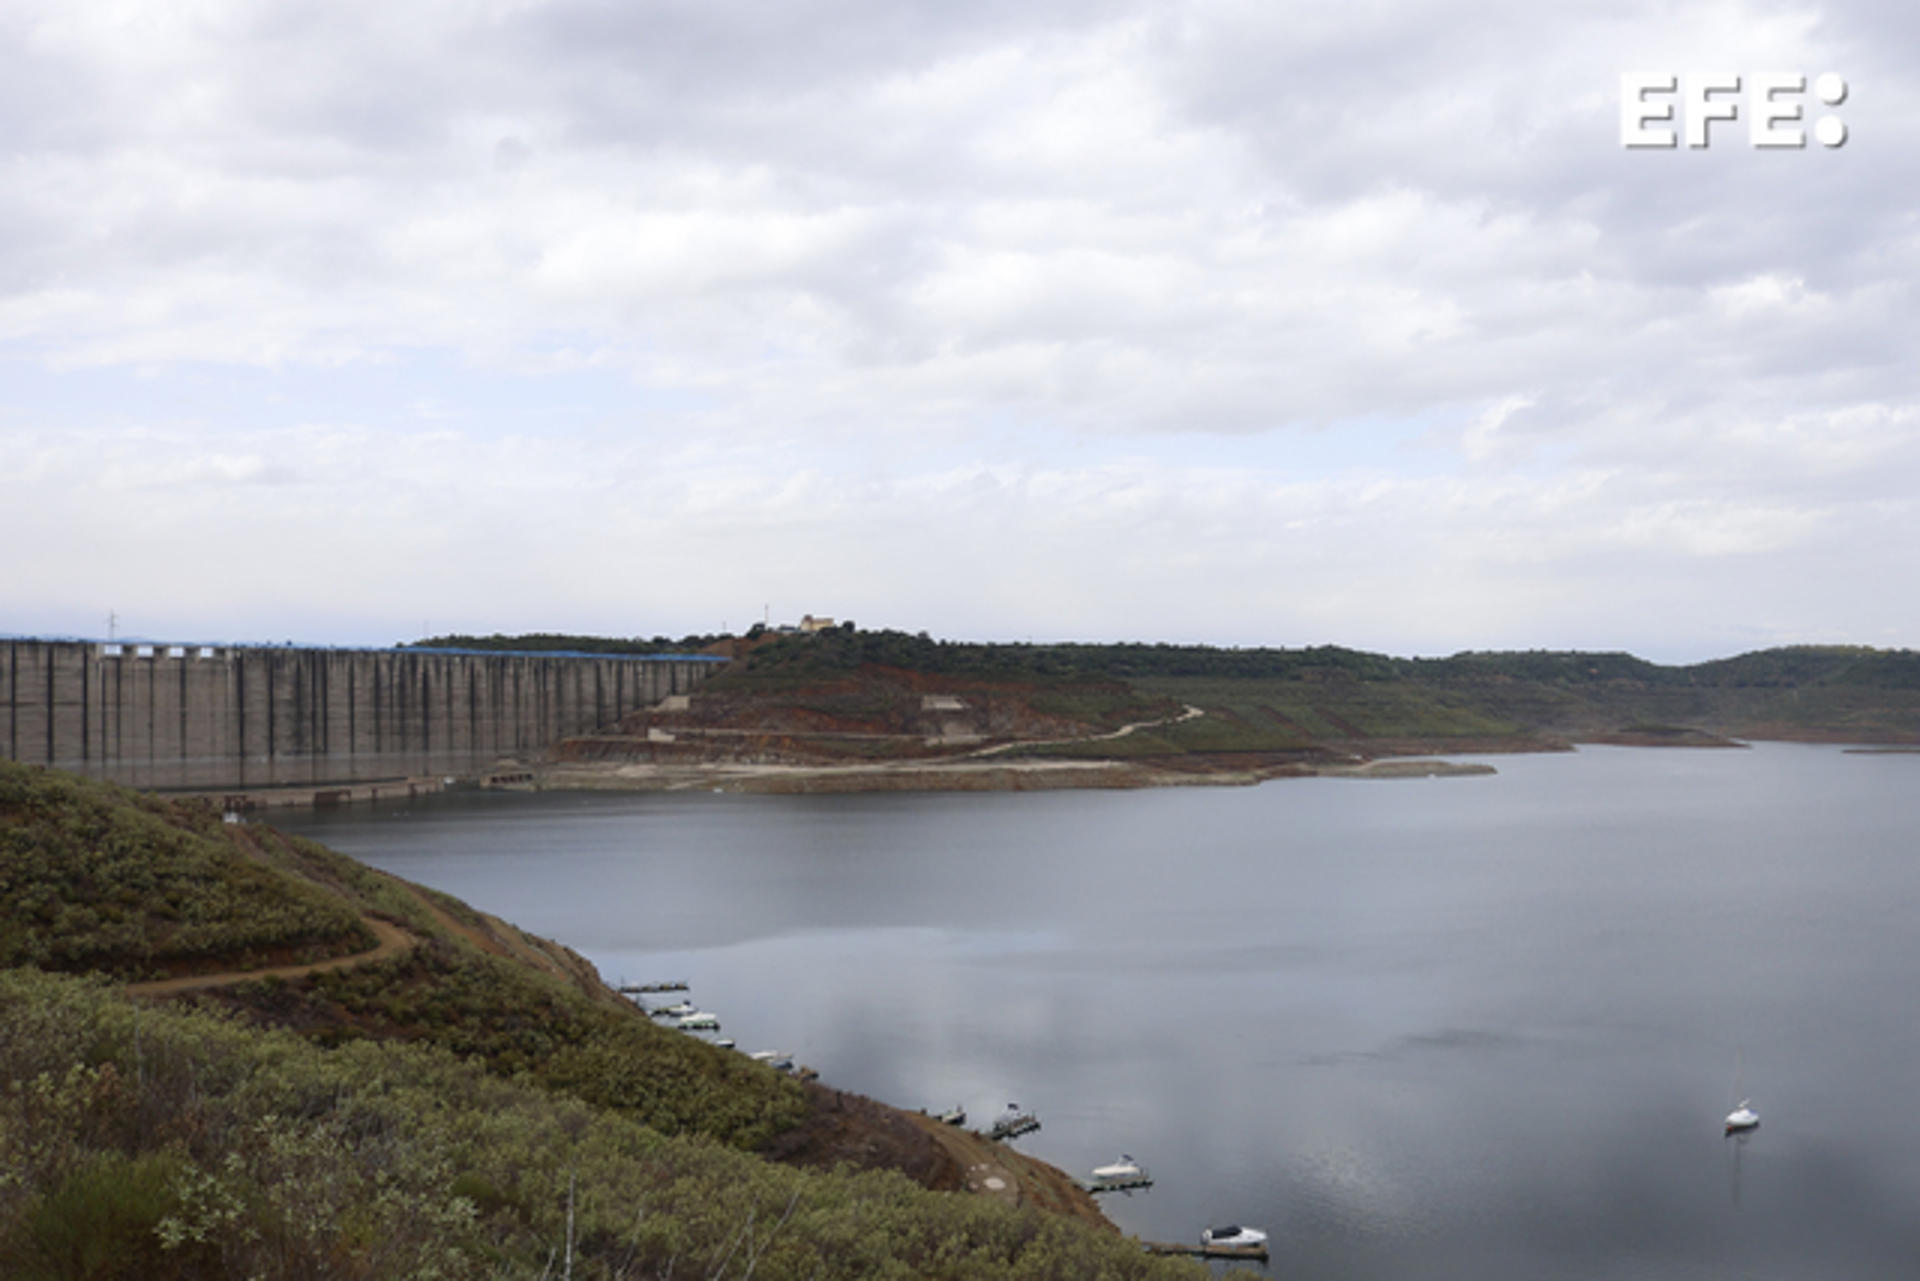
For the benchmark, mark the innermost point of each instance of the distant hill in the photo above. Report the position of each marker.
(844, 694)
(265, 1058)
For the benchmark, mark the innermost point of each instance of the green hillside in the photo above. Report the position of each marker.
(390, 1084)
(1276, 700)
(95, 878)
(164, 1144)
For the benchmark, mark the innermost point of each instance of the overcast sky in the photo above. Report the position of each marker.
(1232, 322)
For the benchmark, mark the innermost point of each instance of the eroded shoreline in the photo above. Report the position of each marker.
(967, 775)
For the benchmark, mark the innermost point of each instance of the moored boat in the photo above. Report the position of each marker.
(1122, 1174)
(1235, 1238)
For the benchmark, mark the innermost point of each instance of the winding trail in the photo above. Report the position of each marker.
(1190, 713)
(489, 934)
(393, 940)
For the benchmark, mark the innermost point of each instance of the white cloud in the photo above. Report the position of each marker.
(998, 319)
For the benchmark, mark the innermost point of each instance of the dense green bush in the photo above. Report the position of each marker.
(101, 1221)
(514, 1021)
(94, 877)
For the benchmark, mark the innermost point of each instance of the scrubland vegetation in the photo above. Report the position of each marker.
(95, 878)
(515, 1022)
(158, 1143)
(1265, 699)
(447, 1112)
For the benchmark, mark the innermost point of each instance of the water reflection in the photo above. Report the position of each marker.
(1736, 1144)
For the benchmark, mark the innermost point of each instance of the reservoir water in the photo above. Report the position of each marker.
(1470, 1027)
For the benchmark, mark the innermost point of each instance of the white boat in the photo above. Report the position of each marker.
(778, 1060)
(700, 1021)
(1234, 1237)
(1124, 1173)
(678, 1010)
(952, 1116)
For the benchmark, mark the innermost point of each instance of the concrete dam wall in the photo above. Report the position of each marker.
(236, 716)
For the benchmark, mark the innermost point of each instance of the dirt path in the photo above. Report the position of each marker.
(1187, 715)
(392, 938)
(492, 936)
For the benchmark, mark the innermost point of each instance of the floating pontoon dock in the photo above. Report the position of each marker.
(1208, 1251)
(1012, 1127)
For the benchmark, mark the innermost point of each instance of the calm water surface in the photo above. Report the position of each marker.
(1474, 1027)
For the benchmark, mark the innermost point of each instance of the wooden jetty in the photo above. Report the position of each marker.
(1012, 1127)
(1208, 1251)
(1142, 1180)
